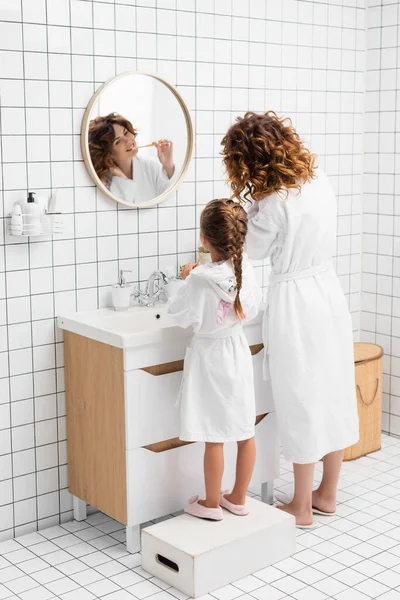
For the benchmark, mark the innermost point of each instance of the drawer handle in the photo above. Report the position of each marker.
(374, 396)
(256, 349)
(164, 369)
(170, 564)
(260, 418)
(166, 445)
(177, 365)
(174, 443)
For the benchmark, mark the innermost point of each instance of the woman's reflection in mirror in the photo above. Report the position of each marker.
(116, 160)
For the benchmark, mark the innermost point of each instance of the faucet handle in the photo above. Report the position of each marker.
(161, 295)
(162, 280)
(121, 278)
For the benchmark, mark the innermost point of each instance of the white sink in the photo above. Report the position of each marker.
(138, 326)
(135, 327)
(137, 320)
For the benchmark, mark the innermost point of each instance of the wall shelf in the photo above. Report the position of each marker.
(50, 224)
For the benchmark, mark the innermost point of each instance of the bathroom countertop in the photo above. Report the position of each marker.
(137, 326)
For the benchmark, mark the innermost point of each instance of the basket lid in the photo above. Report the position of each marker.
(364, 352)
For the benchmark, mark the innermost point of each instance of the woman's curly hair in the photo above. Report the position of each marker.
(101, 138)
(263, 154)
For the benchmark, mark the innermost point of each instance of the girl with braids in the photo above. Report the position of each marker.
(217, 395)
(307, 327)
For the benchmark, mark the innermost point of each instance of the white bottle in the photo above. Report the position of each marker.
(16, 220)
(31, 216)
(121, 292)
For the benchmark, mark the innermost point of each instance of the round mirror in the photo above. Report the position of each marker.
(137, 139)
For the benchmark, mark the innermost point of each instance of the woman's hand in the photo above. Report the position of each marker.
(165, 155)
(187, 269)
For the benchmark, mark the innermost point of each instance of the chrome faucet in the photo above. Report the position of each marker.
(154, 292)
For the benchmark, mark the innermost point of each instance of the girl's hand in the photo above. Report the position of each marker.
(165, 155)
(186, 270)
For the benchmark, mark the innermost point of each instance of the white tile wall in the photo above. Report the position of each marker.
(299, 57)
(380, 306)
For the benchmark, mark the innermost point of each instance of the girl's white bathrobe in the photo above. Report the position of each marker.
(217, 393)
(307, 326)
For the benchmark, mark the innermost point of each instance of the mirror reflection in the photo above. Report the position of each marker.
(139, 138)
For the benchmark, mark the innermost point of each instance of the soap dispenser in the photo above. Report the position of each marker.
(31, 215)
(121, 292)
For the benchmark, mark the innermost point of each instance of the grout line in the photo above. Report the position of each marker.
(285, 574)
(53, 278)
(8, 336)
(30, 284)
(150, 255)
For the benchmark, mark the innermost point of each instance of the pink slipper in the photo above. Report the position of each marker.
(241, 510)
(198, 510)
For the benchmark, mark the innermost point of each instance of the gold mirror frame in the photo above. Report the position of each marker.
(85, 142)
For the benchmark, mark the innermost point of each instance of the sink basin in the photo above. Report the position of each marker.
(138, 326)
(135, 321)
(134, 327)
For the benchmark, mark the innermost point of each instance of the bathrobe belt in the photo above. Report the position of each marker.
(301, 274)
(276, 278)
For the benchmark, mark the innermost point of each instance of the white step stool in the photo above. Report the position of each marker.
(197, 556)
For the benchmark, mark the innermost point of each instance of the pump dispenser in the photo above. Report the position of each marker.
(31, 215)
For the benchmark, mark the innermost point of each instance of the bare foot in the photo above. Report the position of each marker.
(235, 500)
(303, 517)
(325, 504)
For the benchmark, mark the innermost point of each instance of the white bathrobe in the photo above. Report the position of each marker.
(217, 393)
(307, 326)
(149, 180)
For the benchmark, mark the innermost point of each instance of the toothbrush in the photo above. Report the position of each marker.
(201, 254)
(147, 145)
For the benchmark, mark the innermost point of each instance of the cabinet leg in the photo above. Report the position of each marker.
(133, 539)
(79, 509)
(267, 492)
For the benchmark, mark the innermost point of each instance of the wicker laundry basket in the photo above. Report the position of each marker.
(368, 362)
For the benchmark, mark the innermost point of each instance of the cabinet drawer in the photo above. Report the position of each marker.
(160, 483)
(150, 401)
(150, 407)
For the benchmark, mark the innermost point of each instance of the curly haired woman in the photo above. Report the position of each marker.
(307, 326)
(114, 155)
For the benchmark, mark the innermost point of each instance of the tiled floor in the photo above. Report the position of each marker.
(353, 556)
